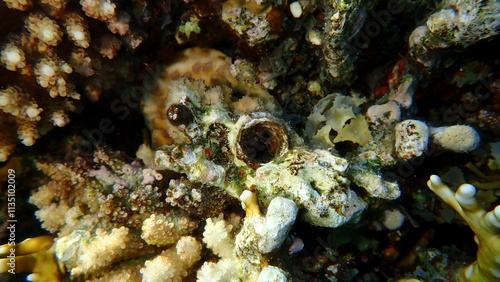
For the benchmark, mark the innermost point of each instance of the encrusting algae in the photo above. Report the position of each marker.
(273, 140)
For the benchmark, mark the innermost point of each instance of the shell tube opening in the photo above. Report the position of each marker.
(261, 141)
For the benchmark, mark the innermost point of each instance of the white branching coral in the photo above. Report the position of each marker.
(77, 30)
(99, 9)
(174, 263)
(21, 110)
(218, 237)
(110, 218)
(44, 29)
(259, 236)
(19, 104)
(53, 7)
(161, 230)
(13, 57)
(486, 227)
(52, 73)
(22, 5)
(84, 252)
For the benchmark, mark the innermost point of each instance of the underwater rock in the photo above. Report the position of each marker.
(343, 20)
(235, 152)
(457, 23)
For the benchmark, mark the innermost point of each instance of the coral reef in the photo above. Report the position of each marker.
(130, 218)
(164, 109)
(173, 264)
(249, 140)
(53, 53)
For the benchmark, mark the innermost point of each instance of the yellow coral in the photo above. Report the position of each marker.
(77, 30)
(21, 5)
(98, 9)
(357, 132)
(340, 114)
(13, 57)
(251, 204)
(35, 255)
(486, 227)
(44, 28)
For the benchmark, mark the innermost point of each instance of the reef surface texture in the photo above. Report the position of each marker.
(249, 140)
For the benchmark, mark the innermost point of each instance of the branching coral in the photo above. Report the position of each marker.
(173, 264)
(77, 30)
(36, 49)
(99, 9)
(245, 255)
(107, 214)
(31, 55)
(225, 131)
(19, 111)
(486, 226)
(21, 5)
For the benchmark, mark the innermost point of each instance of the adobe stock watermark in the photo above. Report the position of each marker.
(122, 107)
(9, 255)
